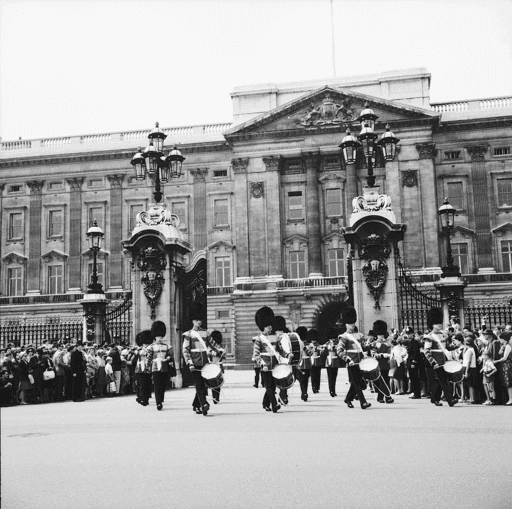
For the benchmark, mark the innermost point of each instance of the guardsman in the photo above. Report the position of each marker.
(158, 356)
(382, 352)
(317, 360)
(303, 370)
(283, 345)
(332, 361)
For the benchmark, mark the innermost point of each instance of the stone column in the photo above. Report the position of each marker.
(481, 203)
(75, 226)
(34, 240)
(200, 225)
(241, 217)
(451, 290)
(428, 203)
(273, 213)
(351, 189)
(312, 163)
(414, 249)
(116, 233)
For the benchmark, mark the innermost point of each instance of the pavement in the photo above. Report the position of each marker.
(113, 453)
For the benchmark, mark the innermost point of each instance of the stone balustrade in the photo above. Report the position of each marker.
(493, 103)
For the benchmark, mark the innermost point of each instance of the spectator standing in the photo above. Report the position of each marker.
(47, 385)
(117, 365)
(489, 371)
(504, 364)
(60, 372)
(77, 365)
(25, 384)
(469, 361)
(101, 376)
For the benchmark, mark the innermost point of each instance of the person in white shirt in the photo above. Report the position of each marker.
(469, 361)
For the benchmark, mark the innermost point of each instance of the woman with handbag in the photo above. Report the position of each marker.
(109, 376)
(48, 378)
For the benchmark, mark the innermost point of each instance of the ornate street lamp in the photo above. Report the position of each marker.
(447, 214)
(94, 236)
(367, 141)
(153, 161)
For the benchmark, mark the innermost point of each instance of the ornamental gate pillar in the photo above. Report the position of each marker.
(158, 251)
(373, 234)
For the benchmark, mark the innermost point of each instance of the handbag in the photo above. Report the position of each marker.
(30, 378)
(112, 386)
(49, 374)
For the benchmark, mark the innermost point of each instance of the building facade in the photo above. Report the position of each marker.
(266, 198)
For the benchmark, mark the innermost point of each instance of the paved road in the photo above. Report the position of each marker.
(113, 453)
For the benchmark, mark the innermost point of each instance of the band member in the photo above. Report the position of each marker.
(217, 359)
(195, 353)
(143, 368)
(435, 353)
(351, 351)
(257, 370)
(316, 359)
(332, 359)
(283, 345)
(303, 370)
(381, 350)
(414, 361)
(158, 357)
(265, 354)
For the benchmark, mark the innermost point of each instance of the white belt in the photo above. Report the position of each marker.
(436, 350)
(354, 351)
(197, 350)
(267, 354)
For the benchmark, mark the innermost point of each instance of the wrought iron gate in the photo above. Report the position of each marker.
(118, 320)
(492, 312)
(415, 302)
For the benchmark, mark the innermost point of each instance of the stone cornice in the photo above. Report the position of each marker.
(474, 125)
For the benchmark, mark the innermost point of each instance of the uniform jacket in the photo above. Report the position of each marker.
(350, 347)
(194, 353)
(434, 350)
(382, 353)
(263, 355)
(159, 354)
(413, 354)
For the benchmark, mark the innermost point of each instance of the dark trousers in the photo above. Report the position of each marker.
(414, 376)
(59, 387)
(68, 388)
(201, 391)
(332, 375)
(258, 377)
(78, 386)
(269, 399)
(429, 370)
(216, 393)
(356, 381)
(160, 379)
(441, 385)
(315, 378)
(145, 387)
(303, 378)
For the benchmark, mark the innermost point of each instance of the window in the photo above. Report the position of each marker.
(333, 202)
(96, 213)
(501, 151)
(452, 154)
(55, 279)
(14, 282)
(460, 257)
(134, 210)
(504, 192)
(15, 189)
(99, 272)
(297, 264)
(222, 313)
(220, 212)
(15, 225)
(455, 192)
(179, 209)
(336, 262)
(295, 209)
(220, 173)
(506, 255)
(223, 270)
(55, 223)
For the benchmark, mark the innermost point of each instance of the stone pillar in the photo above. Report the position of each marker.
(34, 240)
(351, 189)
(75, 226)
(428, 203)
(414, 249)
(95, 309)
(200, 225)
(312, 163)
(451, 290)
(241, 217)
(273, 216)
(481, 203)
(116, 232)
(258, 239)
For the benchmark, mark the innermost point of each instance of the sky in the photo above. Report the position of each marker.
(84, 67)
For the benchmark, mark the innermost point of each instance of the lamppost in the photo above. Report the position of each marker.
(367, 142)
(94, 236)
(447, 214)
(152, 160)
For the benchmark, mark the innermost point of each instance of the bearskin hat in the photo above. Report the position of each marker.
(380, 328)
(279, 323)
(434, 317)
(147, 337)
(158, 329)
(264, 317)
(217, 337)
(349, 315)
(302, 332)
(313, 334)
(196, 311)
(332, 332)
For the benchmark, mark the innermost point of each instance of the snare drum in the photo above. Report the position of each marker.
(283, 375)
(454, 371)
(369, 369)
(212, 374)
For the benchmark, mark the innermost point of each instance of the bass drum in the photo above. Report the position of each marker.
(212, 374)
(454, 371)
(297, 347)
(369, 369)
(283, 375)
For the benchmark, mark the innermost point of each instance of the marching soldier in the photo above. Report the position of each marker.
(316, 359)
(332, 359)
(158, 356)
(382, 352)
(303, 370)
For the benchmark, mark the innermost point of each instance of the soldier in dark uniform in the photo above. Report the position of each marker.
(303, 370)
(331, 358)
(77, 365)
(414, 361)
(382, 352)
(350, 349)
(159, 356)
(143, 367)
(316, 370)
